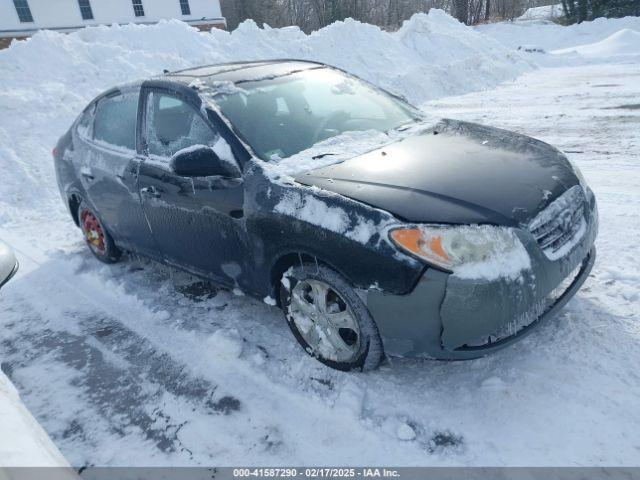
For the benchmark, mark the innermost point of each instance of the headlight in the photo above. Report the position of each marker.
(466, 248)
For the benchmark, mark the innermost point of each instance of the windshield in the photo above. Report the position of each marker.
(282, 116)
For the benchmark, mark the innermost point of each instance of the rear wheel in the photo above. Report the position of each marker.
(329, 319)
(96, 235)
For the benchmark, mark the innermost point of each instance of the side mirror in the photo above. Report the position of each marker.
(202, 161)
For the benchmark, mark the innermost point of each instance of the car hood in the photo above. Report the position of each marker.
(454, 173)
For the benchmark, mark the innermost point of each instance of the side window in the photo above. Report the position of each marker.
(115, 120)
(172, 125)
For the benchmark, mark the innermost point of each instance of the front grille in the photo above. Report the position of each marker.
(561, 225)
(527, 318)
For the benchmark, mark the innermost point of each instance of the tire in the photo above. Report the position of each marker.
(322, 327)
(97, 236)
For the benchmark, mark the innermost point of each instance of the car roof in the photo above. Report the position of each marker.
(234, 72)
(241, 71)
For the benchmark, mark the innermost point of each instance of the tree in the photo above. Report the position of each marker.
(310, 15)
(577, 11)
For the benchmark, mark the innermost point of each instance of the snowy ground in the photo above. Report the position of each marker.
(134, 364)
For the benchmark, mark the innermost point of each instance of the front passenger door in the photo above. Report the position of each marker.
(195, 220)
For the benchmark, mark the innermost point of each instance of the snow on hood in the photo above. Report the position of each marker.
(340, 148)
(329, 151)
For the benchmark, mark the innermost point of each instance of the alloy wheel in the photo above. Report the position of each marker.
(324, 320)
(93, 232)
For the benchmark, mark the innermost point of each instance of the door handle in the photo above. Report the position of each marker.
(131, 171)
(150, 192)
(86, 173)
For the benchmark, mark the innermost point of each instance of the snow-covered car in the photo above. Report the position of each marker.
(8, 264)
(373, 228)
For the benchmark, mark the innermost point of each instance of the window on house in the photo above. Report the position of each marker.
(85, 9)
(184, 6)
(24, 12)
(138, 9)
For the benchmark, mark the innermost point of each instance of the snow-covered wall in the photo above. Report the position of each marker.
(62, 14)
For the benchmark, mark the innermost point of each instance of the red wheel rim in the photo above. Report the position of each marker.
(93, 232)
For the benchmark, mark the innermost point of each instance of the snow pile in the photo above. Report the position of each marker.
(623, 42)
(546, 12)
(550, 36)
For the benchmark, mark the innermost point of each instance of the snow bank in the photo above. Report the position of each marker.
(551, 36)
(47, 79)
(622, 43)
(546, 12)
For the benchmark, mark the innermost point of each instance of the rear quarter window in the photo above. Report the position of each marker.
(115, 120)
(85, 123)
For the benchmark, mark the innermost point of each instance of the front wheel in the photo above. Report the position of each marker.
(96, 236)
(329, 319)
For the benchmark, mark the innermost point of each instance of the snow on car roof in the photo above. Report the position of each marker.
(242, 71)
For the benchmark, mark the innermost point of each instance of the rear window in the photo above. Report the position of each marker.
(115, 120)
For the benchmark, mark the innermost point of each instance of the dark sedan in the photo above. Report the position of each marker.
(374, 229)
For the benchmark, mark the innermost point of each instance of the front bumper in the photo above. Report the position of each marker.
(446, 317)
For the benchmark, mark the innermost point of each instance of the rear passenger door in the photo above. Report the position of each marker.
(109, 166)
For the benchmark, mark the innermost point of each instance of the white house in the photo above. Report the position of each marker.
(22, 18)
